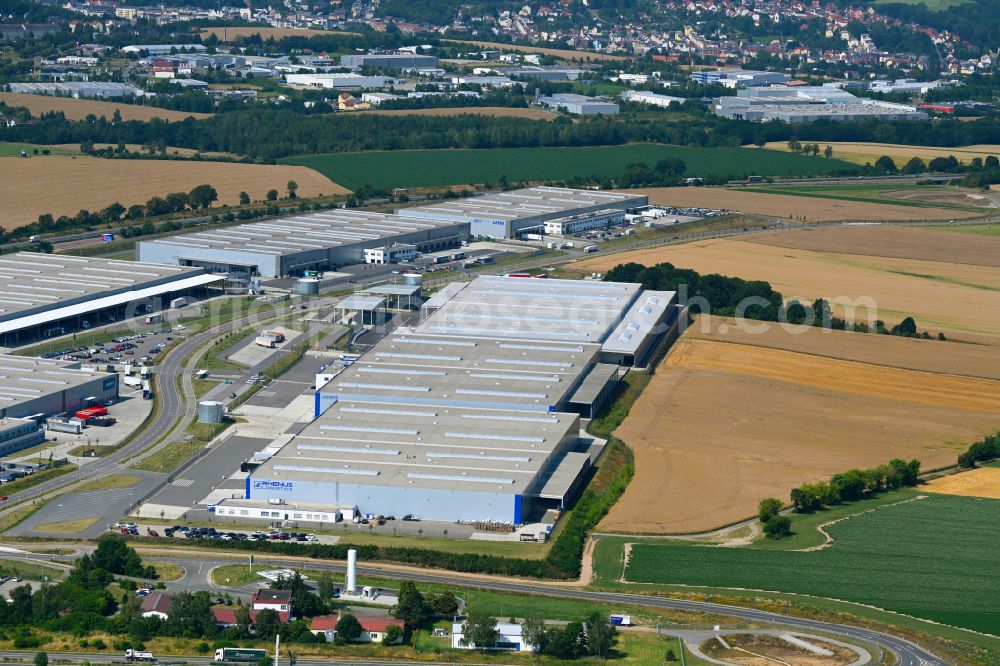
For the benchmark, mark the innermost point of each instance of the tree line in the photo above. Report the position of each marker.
(985, 450)
(855, 484)
(751, 299)
(270, 134)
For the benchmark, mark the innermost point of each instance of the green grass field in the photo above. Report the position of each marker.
(436, 168)
(8, 149)
(924, 558)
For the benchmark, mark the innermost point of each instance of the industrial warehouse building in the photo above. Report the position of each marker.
(574, 224)
(328, 240)
(507, 214)
(342, 81)
(579, 105)
(473, 414)
(388, 61)
(47, 295)
(807, 103)
(44, 387)
(289, 246)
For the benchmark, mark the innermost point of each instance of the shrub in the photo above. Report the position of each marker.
(778, 527)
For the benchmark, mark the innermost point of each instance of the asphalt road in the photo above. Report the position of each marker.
(908, 653)
(118, 658)
(197, 569)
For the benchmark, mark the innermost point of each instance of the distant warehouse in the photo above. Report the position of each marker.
(389, 61)
(579, 105)
(85, 89)
(331, 239)
(48, 295)
(291, 246)
(808, 103)
(509, 214)
(342, 81)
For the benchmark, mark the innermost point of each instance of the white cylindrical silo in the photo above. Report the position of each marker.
(352, 574)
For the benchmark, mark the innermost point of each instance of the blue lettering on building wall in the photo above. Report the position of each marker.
(109, 383)
(279, 486)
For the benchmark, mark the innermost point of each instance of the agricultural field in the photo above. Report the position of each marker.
(961, 300)
(790, 417)
(979, 482)
(862, 152)
(79, 109)
(976, 361)
(899, 242)
(494, 111)
(437, 168)
(922, 558)
(916, 196)
(811, 209)
(63, 185)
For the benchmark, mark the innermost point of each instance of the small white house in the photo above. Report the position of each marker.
(276, 600)
(510, 638)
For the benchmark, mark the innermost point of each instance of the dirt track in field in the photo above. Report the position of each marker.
(721, 426)
(897, 242)
(79, 109)
(957, 299)
(981, 482)
(64, 185)
(789, 206)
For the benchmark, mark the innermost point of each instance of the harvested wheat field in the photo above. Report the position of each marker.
(945, 357)
(980, 482)
(79, 109)
(224, 34)
(495, 111)
(898, 242)
(786, 205)
(64, 185)
(941, 296)
(861, 152)
(722, 425)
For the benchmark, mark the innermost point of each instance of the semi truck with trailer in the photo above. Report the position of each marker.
(244, 655)
(136, 655)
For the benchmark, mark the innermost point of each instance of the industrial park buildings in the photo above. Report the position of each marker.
(47, 295)
(471, 415)
(331, 239)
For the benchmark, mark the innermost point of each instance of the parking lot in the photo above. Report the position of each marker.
(220, 534)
